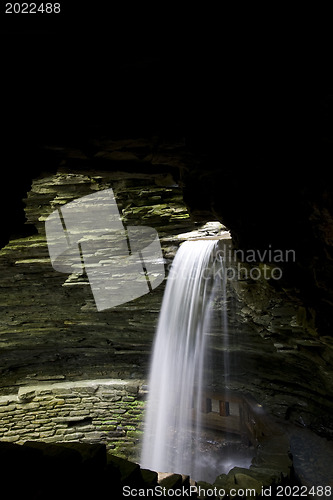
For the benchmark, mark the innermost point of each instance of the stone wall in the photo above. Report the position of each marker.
(83, 439)
(95, 411)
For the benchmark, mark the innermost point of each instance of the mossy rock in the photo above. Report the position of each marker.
(247, 482)
(203, 487)
(171, 481)
(149, 477)
(130, 473)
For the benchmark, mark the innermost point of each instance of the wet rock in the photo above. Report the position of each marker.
(246, 482)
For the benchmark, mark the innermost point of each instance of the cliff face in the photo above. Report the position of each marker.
(50, 322)
(280, 343)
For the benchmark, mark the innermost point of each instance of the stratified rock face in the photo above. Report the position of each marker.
(50, 324)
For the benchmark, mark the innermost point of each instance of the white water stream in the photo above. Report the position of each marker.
(170, 442)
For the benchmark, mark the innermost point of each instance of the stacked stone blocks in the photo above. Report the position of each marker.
(98, 411)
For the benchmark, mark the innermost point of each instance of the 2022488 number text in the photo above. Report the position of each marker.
(32, 8)
(304, 491)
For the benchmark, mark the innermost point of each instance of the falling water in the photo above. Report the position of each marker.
(170, 442)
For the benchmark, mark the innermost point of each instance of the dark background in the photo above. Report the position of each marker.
(250, 93)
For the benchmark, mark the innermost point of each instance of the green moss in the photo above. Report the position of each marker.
(123, 450)
(106, 427)
(180, 216)
(130, 427)
(135, 434)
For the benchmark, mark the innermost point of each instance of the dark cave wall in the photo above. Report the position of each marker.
(50, 327)
(252, 152)
(259, 162)
(275, 192)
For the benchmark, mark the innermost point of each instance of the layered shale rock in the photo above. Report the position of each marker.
(50, 324)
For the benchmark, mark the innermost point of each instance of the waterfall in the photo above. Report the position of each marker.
(170, 442)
